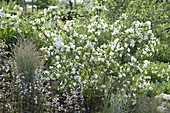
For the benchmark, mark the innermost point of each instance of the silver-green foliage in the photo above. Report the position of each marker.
(27, 60)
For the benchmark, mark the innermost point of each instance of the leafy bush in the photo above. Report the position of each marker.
(5, 78)
(87, 51)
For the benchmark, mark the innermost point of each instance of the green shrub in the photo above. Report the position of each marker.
(90, 48)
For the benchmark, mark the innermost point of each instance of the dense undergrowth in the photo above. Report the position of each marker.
(102, 56)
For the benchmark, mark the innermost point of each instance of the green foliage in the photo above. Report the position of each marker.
(115, 104)
(27, 60)
(7, 4)
(158, 14)
(45, 3)
(146, 105)
(119, 45)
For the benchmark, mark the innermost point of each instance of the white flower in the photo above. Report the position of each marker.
(90, 45)
(78, 78)
(99, 26)
(122, 90)
(15, 7)
(111, 53)
(140, 69)
(126, 45)
(138, 32)
(103, 86)
(144, 52)
(91, 30)
(116, 31)
(134, 102)
(120, 76)
(104, 46)
(34, 28)
(73, 71)
(54, 12)
(101, 59)
(20, 8)
(84, 57)
(57, 57)
(150, 88)
(68, 48)
(72, 46)
(77, 1)
(133, 59)
(52, 7)
(46, 72)
(148, 23)
(42, 28)
(132, 43)
(116, 41)
(58, 66)
(121, 48)
(45, 12)
(166, 97)
(128, 82)
(108, 63)
(95, 76)
(75, 34)
(58, 43)
(128, 69)
(38, 21)
(134, 95)
(137, 24)
(128, 49)
(50, 47)
(47, 78)
(124, 74)
(98, 33)
(77, 57)
(130, 30)
(101, 7)
(124, 16)
(149, 32)
(71, 64)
